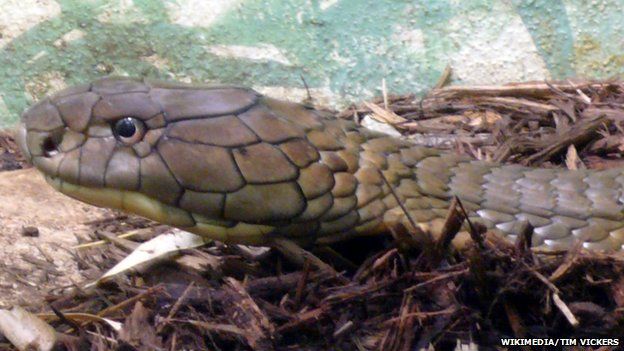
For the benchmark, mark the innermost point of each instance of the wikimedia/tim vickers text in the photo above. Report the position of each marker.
(561, 342)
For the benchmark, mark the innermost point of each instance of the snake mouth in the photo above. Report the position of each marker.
(124, 200)
(145, 206)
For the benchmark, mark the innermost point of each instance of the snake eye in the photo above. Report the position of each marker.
(129, 130)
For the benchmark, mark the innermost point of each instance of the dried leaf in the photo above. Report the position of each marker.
(26, 331)
(155, 250)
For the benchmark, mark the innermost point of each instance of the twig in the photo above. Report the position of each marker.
(444, 77)
(427, 236)
(309, 98)
(302, 283)
(298, 255)
(579, 134)
(245, 313)
(384, 92)
(514, 320)
(524, 240)
(423, 315)
(452, 224)
(123, 304)
(565, 310)
(141, 231)
(176, 307)
(437, 279)
(538, 90)
(474, 233)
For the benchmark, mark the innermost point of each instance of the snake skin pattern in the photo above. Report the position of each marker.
(233, 165)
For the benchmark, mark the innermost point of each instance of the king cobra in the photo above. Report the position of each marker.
(232, 165)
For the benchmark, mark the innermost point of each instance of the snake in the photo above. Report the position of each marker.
(233, 165)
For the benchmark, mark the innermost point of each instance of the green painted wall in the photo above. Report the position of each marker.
(343, 48)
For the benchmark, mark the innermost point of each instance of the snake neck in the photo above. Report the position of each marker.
(372, 171)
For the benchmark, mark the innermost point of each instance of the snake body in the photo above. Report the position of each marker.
(233, 165)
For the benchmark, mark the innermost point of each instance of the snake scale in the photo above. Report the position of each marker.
(233, 165)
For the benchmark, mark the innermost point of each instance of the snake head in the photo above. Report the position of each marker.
(188, 156)
(98, 135)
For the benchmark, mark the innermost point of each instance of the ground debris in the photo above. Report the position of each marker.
(531, 123)
(394, 300)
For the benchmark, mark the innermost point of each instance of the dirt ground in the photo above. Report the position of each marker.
(38, 227)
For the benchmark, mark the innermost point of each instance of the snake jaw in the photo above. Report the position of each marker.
(137, 203)
(129, 201)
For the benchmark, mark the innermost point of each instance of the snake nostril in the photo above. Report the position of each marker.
(50, 146)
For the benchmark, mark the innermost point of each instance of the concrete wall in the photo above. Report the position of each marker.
(343, 48)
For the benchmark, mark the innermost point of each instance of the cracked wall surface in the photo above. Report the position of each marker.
(343, 48)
